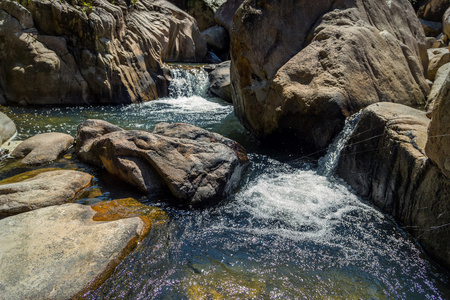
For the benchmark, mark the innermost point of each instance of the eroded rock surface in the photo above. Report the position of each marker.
(196, 166)
(43, 148)
(220, 82)
(385, 161)
(7, 128)
(40, 188)
(438, 85)
(438, 58)
(59, 252)
(300, 67)
(77, 52)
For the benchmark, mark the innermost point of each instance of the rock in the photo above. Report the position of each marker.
(438, 57)
(77, 52)
(385, 161)
(7, 128)
(43, 148)
(436, 89)
(216, 38)
(432, 42)
(195, 172)
(203, 11)
(40, 188)
(433, 10)
(60, 252)
(225, 13)
(220, 83)
(446, 23)
(438, 145)
(313, 63)
(431, 28)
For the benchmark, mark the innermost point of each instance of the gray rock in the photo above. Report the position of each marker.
(438, 57)
(220, 82)
(7, 128)
(41, 188)
(438, 85)
(196, 172)
(224, 15)
(43, 148)
(299, 68)
(203, 11)
(59, 252)
(385, 161)
(216, 38)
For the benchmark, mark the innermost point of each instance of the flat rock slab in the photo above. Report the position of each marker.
(59, 252)
(43, 148)
(41, 188)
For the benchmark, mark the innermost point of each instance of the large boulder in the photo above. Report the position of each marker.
(195, 166)
(203, 11)
(216, 38)
(299, 68)
(225, 13)
(7, 128)
(220, 82)
(446, 23)
(438, 84)
(77, 52)
(438, 57)
(438, 145)
(384, 160)
(41, 188)
(61, 252)
(433, 10)
(43, 148)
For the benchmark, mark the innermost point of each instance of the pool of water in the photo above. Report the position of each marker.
(291, 230)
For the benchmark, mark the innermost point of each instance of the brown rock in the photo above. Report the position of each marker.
(438, 58)
(40, 188)
(385, 161)
(438, 145)
(106, 53)
(438, 85)
(203, 11)
(433, 10)
(43, 148)
(300, 68)
(195, 171)
(446, 23)
(216, 38)
(224, 15)
(220, 82)
(7, 128)
(431, 28)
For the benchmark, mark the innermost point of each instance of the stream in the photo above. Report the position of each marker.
(291, 231)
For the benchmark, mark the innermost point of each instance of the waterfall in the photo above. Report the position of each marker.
(328, 163)
(187, 81)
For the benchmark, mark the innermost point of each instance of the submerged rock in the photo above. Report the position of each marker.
(196, 166)
(220, 82)
(40, 188)
(299, 68)
(43, 148)
(60, 252)
(78, 52)
(7, 128)
(385, 161)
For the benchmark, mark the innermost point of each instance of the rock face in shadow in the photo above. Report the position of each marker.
(7, 128)
(196, 166)
(385, 161)
(433, 10)
(220, 83)
(40, 188)
(78, 52)
(299, 68)
(43, 148)
(59, 252)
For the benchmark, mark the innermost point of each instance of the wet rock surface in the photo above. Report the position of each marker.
(196, 166)
(40, 188)
(385, 161)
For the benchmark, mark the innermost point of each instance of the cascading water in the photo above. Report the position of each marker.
(187, 82)
(289, 232)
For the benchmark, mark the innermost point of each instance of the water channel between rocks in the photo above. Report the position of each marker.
(291, 231)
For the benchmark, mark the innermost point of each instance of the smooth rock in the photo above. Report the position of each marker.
(203, 11)
(43, 148)
(438, 145)
(431, 28)
(438, 57)
(59, 252)
(446, 23)
(216, 38)
(40, 188)
(195, 172)
(438, 85)
(433, 10)
(220, 82)
(76, 52)
(299, 68)
(385, 161)
(225, 13)
(7, 128)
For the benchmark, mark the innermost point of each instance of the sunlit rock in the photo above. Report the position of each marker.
(40, 188)
(220, 83)
(7, 128)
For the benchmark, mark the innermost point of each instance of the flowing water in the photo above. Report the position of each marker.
(291, 231)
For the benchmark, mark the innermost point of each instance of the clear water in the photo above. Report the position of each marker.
(291, 231)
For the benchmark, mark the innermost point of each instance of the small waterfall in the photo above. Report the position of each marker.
(187, 81)
(328, 163)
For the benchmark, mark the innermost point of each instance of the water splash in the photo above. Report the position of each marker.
(328, 163)
(187, 82)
